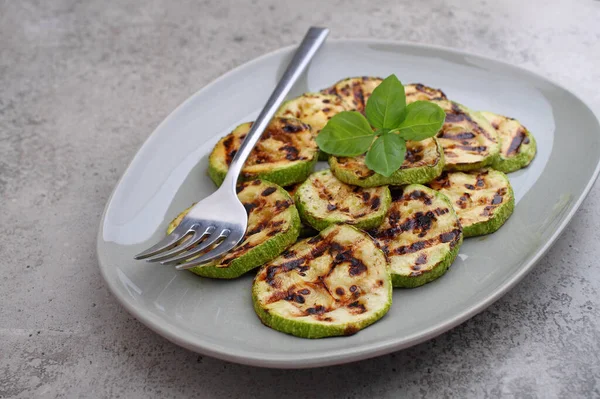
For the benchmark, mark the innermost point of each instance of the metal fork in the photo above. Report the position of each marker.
(215, 225)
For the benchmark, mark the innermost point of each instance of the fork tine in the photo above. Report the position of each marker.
(185, 245)
(227, 245)
(163, 244)
(210, 240)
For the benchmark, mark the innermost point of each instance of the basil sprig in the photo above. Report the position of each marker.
(382, 134)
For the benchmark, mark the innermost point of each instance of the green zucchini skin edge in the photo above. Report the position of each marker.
(418, 175)
(519, 161)
(311, 330)
(283, 176)
(258, 255)
(501, 215)
(321, 224)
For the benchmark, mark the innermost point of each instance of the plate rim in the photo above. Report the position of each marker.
(347, 355)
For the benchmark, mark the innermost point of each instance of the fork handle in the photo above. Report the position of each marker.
(313, 39)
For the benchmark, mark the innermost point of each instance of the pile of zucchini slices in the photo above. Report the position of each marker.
(329, 245)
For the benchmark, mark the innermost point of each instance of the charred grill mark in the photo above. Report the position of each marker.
(414, 154)
(419, 223)
(457, 136)
(353, 288)
(365, 196)
(516, 142)
(480, 179)
(268, 191)
(441, 211)
(331, 207)
(288, 254)
(488, 210)
(497, 199)
(304, 291)
(294, 128)
(430, 92)
(452, 237)
(375, 203)
(250, 206)
(340, 291)
(256, 182)
(326, 109)
(357, 267)
(317, 310)
(357, 307)
(291, 152)
(421, 260)
(470, 186)
(281, 205)
(358, 96)
(230, 148)
(419, 195)
(478, 149)
(326, 101)
(463, 201)
(455, 117)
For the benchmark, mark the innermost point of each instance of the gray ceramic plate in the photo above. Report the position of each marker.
(216, 317)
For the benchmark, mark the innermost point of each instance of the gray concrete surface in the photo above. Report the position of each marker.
(83, 83)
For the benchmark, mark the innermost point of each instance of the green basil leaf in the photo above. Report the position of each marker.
(384, 107)
(346, 134)
(386, 154)
(422, 119)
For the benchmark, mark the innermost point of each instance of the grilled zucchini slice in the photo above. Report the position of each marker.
(314, 109)
(285, 154)
(517, 145)
(335, 283)
(273, 225)
(323, 200)
(424, 162)
(421, 235)
(354, 92)
(470, 142)
(305, 230)
(418, 92)
(483, 199)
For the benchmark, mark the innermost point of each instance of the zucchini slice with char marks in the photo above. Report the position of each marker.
(517, 145)
(470, 142)
(273, 224)
(418, 92)
(355, 91)
(335, 283)
(285, 154)
(305, 230)
(314, 109)
(424, 162)
(483, 199)
(323, 200)
(421, 236)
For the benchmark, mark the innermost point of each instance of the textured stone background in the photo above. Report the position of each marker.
(83, 83)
